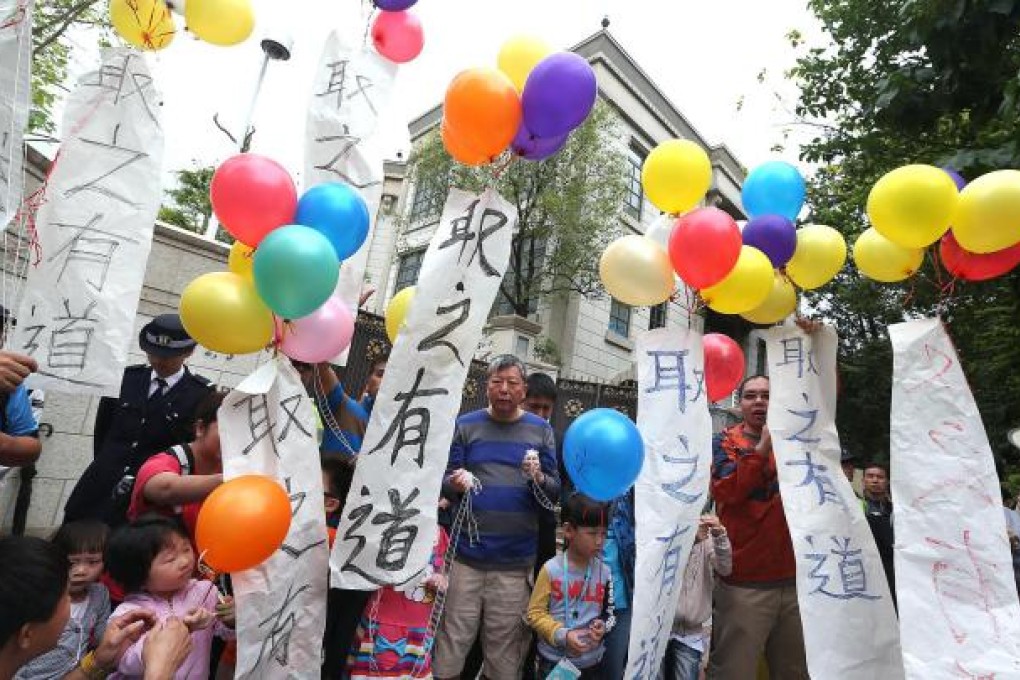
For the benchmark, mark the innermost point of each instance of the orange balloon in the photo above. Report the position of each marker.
(483, 110)
(458, 150)
(242, 523)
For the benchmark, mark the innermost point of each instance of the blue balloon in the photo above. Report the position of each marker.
(603, 452)
(295, 270)
(775, 188)
(394, 5)
(339, 212)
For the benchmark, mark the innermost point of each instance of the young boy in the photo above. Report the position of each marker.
(571, 606)
(337, 474)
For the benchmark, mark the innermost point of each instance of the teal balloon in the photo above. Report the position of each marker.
(774, 188)
(296, 269)
(603, 453)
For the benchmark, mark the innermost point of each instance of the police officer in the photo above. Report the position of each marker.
(154, 411)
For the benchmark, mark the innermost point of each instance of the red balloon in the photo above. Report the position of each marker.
(398, 36)
(724, 365)
(252, 195)
(974, 266)
(704, 247)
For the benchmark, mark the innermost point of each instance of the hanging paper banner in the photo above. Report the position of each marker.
(352, 88)
(267, 427)
(15, 99)
(389, 523)
(94, 231)
(673, 486)
(959, 613)
(848, 616)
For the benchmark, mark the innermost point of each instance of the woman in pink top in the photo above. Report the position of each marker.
(153, 558)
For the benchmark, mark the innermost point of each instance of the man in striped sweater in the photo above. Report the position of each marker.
(503, 462)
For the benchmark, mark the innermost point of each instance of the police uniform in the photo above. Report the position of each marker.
(135, 425)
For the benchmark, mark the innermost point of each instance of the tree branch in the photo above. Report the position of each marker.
(68, 18)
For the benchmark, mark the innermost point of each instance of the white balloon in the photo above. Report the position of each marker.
(660, 229)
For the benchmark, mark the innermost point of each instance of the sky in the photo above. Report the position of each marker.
(705, 57)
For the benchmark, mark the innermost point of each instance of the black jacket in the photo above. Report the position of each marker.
(128, 430)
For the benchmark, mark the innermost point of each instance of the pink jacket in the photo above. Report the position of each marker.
(195, 594)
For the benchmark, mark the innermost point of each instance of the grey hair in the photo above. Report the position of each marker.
(505, 361)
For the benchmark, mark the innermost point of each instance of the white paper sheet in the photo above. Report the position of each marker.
(267, 427)
(389, 521)
(959, 614)
(673, 486)
(850, 627)
(95, 231)
(15, 100)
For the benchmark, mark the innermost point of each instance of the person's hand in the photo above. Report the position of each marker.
(712, 524)
(120, 634)
(165, 649)
(366, 293)
(225, 611)
(809, 326)
(579, 641)
(14, 368)
(765, 443)
(461, 480)
(199, 618)
(437, 583)
(597, 628)
(531, 466)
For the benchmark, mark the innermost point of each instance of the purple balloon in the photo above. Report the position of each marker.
(394, 5)
(957, 178)
(773, 235)
(559, 94)
(532, 148)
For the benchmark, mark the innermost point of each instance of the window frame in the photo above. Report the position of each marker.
(620, 316)
(401, 260)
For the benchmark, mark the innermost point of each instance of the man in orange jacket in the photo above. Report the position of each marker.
(756, 605)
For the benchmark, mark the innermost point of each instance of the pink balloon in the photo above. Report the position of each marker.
(320, 336)
(398, 36)
(724, 365)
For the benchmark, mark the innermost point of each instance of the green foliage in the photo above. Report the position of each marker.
(190, 207)
(568, 208)
(912, 81)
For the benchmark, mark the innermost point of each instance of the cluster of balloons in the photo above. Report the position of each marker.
(284, 267)
(242, 523)
(531, 103)
(397, 32)
(149, 24)
(977, 225)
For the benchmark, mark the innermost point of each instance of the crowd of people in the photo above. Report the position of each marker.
(540, 586)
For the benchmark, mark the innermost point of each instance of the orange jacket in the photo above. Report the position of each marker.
(746, 491)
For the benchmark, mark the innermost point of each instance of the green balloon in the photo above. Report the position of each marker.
(295, 270)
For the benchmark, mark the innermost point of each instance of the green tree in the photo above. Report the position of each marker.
(190, 207)
(568, 208)
(912, 81)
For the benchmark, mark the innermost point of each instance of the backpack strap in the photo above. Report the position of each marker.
(184, 456)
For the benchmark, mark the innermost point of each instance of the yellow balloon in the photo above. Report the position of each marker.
(988, 215)
(745, 287)
(880, 259)
(222, 311)
(519, 55)
(636, 271)
(780, 303)
(146, 24)
(396, 311)
(220, 22)
(676, 175)
(913, 205)
(820, 254)
(240, 260)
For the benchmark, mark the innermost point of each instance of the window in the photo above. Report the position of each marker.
(635, 198)
(619, 318)
(522, 347)
(408, 267)
(657, 316)
(429, 195)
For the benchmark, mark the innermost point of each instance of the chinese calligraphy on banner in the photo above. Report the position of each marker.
(850, 628)
(267, 427)
(94, 231)
(673, 486)
(958, 603)
(389, 522)
(15, 67)
(351, 90)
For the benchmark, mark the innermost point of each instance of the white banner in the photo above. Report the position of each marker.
(849, 620)
(15, 100)
(267, 427)
(389, 522)
(94, 231)
(959, 613)
(673, 486)
(352, 88)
